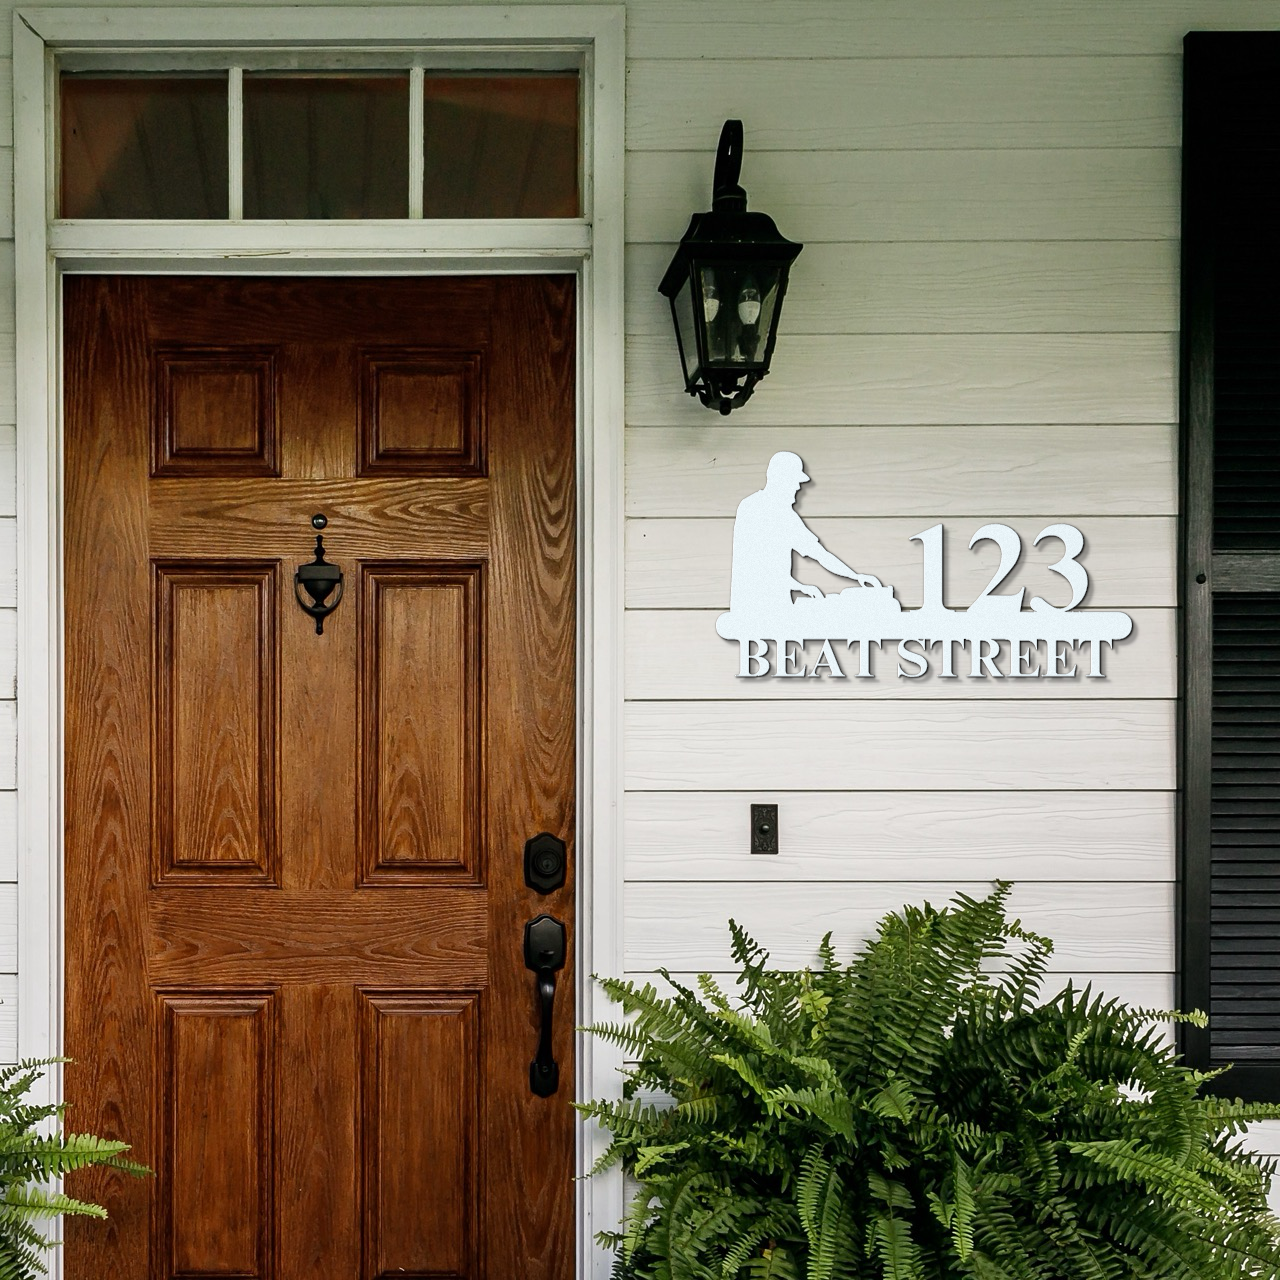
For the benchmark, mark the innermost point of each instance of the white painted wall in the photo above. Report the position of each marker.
(982, 326)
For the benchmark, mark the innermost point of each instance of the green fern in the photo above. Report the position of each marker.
(922, 1113)
(30, 1156)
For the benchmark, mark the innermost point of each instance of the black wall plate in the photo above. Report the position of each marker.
(764, 828)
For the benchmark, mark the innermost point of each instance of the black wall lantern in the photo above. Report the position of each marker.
(726, 285)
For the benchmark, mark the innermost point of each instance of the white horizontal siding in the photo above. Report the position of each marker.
(683, 926)
(900, 745)
(979, 379)
(685, 564)
(909, 470)
(847, 196)
(943, 29)
(982, 327)
(913, 836)
(905, 104)
(1107, 286)
(8, 837)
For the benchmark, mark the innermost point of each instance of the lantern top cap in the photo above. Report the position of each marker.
(727, 232)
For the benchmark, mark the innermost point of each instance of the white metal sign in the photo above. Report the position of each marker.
(772, 627)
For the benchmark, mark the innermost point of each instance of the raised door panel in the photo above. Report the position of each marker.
(215, 411)
(216, 1087)
(421, 712)
(216, 731)
(422, 412)
(419, 1149)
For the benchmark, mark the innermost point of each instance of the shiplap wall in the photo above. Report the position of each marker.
(981, 327)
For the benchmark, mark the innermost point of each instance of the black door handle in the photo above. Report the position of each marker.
(544, 954)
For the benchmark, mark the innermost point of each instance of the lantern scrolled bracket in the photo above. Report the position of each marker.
(725, 285)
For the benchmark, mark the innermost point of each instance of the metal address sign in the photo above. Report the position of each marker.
(771, 627)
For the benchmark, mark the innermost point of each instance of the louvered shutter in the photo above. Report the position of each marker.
(1230, 580)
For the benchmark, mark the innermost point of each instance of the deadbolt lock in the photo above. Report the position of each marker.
(545, 863)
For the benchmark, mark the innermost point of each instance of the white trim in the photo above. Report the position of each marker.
(235, 143)
(417, 143)
(591, 246)
(560, 240)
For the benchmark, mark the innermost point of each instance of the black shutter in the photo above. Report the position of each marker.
(1229, 959)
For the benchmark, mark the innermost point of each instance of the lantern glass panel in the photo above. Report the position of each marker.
(686, 331)
(739, 302)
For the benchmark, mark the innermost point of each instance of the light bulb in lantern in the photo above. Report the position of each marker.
(749, 304)
(710, 299)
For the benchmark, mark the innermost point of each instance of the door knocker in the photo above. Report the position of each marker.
(319, 579)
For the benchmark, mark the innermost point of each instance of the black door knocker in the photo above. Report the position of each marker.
(319, 578)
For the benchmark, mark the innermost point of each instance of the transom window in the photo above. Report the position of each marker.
(242, 143)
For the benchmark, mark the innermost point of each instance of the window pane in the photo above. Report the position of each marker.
(144, 147)
(501, 146)
(326, 146)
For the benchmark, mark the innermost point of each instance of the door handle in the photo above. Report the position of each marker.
(544, 954)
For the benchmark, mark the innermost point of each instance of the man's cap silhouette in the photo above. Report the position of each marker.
(786, 466)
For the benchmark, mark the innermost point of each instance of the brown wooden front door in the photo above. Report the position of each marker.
(295, 896)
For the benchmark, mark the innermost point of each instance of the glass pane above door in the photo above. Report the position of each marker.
(276, 140)
(144, 147)
(500, 146)
(326, 146)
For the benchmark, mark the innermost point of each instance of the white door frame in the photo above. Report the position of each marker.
(591, 247)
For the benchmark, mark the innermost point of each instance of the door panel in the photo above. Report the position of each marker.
(217, 732)
(422, 783)
(216, 1138)
(420, 1110)
(295, 898)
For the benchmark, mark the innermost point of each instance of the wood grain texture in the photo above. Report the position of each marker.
(531, 751)
(402, 517)
(1104, 927)
(217, 1134)
(909, 470)
(830, 836)
(684, 564)
(422, 778)
(470, 695)
(435, 938)
(422, 412)
(859, 104)
(909, 746)
(419, 1131)
(217, 729)
(674, 654)
(843, 196)
(215, 411)
(953, 287)
(935, 29)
